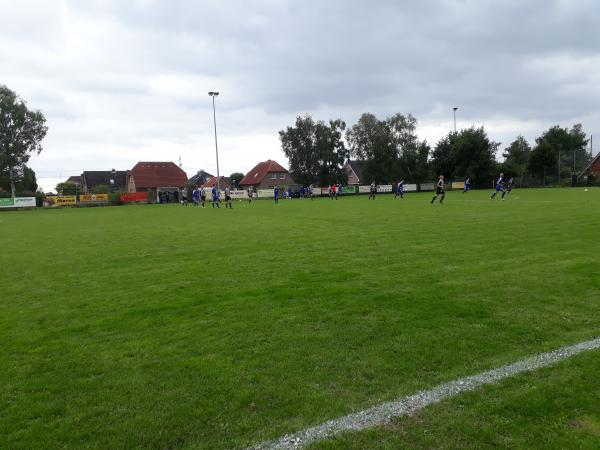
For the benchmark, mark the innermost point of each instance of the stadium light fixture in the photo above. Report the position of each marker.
(213, 94)
(454, 109)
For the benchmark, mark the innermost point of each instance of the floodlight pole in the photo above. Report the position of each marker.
(454, 109)
(559, 168)
(213, 95)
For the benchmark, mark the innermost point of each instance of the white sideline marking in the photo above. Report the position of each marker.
(405, 406)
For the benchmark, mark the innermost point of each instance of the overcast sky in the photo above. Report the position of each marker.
(124, 81)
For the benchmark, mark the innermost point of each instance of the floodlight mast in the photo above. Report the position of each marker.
(213, 94)
(454, 109)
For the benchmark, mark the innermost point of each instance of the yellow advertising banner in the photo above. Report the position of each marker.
(458, 185)
(56, 200)
(93, 198)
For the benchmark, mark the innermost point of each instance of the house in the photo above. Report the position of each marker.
(115, 179)
(147, 175)
(200, 178)
(592, 168)
(224, 182)
(354, 169)
(265, 175)
(77, 179)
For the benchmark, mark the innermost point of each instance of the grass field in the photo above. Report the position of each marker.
(168, 327)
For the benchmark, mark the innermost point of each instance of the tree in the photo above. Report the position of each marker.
(235, 178)
(413, 163)
(390, 147)
(567, 146)
(27, 183)
(315, 150)
(516, 158)
(99, 189)
(67, 188)
(468, 153)
(21, 134)
(543, 157)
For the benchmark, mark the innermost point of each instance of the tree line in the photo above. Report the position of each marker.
(391, 150)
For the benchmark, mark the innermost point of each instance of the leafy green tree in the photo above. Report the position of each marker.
(315, 150)
(235, 178)
(21, 134)
(467, 153)
(27, 183)
(390, 147)
(99, 189)
(562, 146)
(516, 158)
(543, 158)
(413, 163)
(68, 188)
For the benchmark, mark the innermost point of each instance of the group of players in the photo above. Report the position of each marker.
(502, 185)
(335, 191)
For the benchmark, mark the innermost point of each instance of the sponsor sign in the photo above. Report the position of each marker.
(410, 188)
(458, 185)
(19, 202)
(426, 187)
(266, 193)
(60, 200)
(364, 189)
(385, 188)
(325, 191)
(348, 190)
(134, 197)
(93, 198)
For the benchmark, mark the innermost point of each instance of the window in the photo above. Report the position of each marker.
(273, 176)
(282, 176)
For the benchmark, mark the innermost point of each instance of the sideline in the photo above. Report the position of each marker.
(405, 406)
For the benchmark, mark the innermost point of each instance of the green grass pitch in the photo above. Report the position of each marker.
(169, 327)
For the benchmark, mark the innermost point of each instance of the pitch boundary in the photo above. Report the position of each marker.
(380, 414)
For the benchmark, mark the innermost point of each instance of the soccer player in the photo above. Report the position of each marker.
(339, 190)
(215, 197)
(372, 191)
(196, 196)
(276, 192)
(499, 186)
(184, 201)
(467, 186)
(310, 191)
(228, 198)
(249, 195)
(400, 189)
(440, 190)
(203, 196)
(508, 186)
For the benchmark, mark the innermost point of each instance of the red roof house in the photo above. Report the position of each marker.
(265, 175)
(224, 182)
(155, 175)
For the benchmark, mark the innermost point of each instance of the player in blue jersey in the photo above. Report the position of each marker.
(215, 197)
(399, 189)
(499, 186)
(196, 196)
(467, 186)
(440, 190)
(276, 192)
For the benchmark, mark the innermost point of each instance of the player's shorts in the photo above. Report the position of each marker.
(227, 198)
(439, 191)
(499, 188)
(203, 197)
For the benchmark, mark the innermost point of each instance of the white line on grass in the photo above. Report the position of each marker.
(405, 406)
